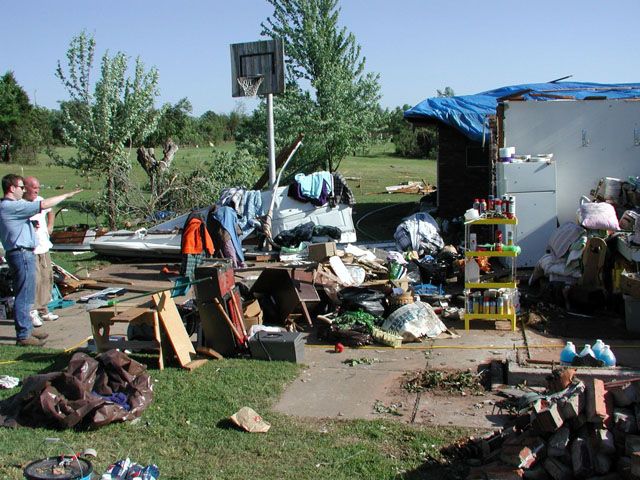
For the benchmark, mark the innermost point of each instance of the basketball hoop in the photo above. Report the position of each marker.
(250, 85)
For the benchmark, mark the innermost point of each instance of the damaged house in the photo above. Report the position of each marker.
(582, 131)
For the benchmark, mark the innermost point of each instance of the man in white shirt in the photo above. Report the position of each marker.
(44, 272)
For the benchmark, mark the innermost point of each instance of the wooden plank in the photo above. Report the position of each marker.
(173, 326)
(209, 352)
(131, 314)
(193, 364)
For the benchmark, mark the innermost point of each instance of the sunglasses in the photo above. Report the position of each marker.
(19, 186)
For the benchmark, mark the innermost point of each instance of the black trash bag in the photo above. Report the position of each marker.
(433, 272)
(369, 300)
(295, 236)
(329, 231)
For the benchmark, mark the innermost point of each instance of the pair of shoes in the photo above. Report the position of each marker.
(30, 341)
(35, 318)
(49, 317)
(40, 336)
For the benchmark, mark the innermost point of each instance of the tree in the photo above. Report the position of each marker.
(408, 140)
(174, 123)
(15, 111)
(448, 92)
(340, 115)
(103, 124)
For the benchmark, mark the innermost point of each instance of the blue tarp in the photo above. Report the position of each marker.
(467, 113)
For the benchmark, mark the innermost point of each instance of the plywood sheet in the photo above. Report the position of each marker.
(173, 326)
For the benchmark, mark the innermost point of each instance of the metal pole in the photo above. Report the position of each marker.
(271, 140)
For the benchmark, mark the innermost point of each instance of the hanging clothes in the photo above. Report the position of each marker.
(195, 244)
(222, 224)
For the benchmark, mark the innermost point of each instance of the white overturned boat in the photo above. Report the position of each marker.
(163, 240)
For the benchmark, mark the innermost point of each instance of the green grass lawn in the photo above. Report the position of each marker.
(186, 430)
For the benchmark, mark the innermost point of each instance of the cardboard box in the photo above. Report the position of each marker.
(320, 251)
(630, 283)
(252, 314)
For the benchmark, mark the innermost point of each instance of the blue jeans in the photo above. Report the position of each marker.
(23, 271)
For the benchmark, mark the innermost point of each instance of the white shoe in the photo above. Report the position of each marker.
(35, 318)
(49, 317)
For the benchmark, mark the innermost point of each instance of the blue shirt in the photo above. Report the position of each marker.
(15, 228)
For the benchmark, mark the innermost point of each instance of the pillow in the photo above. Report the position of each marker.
(598, 216)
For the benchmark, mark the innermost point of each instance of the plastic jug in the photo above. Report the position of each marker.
(587, 351)
(597, 348)
(568, 353)
(607, 356)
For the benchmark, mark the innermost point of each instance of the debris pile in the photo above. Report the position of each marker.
(579, 429)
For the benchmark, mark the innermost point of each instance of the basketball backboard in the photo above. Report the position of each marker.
(253, 60)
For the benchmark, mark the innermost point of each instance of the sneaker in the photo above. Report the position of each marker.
(30, 341)
(35, 318)
(40, 336)
(49, 317)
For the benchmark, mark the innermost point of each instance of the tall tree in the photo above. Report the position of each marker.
(102, 124)
(15, 111)
(340, 114)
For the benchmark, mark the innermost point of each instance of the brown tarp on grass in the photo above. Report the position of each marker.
(76, 398)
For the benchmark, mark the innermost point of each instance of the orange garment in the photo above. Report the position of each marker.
(193, 236)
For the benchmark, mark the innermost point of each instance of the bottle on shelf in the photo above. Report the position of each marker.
(597, 348)
(498, 241)
(607, 356)
(483, 206)
(587, 351)
(568, 353)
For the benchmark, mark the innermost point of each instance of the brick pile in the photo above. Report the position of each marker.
(588, 429)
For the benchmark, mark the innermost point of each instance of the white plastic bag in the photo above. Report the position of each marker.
(414, 321)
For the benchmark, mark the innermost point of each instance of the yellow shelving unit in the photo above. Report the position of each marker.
(511, 285)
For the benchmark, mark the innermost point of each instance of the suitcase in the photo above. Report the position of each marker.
(287, 346)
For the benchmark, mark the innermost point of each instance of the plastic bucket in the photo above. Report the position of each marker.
(50, 469)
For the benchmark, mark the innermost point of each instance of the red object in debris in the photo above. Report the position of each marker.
(339, 348)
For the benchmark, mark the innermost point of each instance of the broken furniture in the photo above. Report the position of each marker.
(290, 288)
(220, 308)
(161, 314)
(484, 299)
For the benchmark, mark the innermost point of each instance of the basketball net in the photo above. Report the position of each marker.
(250, 85)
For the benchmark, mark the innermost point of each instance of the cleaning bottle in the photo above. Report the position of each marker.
(597, 348)
(607, 356)
(587, 351)
(568, 353)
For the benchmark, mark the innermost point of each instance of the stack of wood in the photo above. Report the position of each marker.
(589, 429)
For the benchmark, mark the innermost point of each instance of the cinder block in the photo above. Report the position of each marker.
(625, 395)
(572, 406)
(548, 419)
(522, 451)
(602, 463)
(557, 444)
(631, 444)
(624, 420)
(582, 458)
(557, 470)
(605, 442)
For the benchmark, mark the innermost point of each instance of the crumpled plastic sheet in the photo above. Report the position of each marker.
(8, 382)
(66, 399)
(414, 321)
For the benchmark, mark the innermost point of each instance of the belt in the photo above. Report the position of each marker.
(21, 248)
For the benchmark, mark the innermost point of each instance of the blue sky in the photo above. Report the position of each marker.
(416, 46)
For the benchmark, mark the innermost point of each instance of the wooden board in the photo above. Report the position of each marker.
(174, 328)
